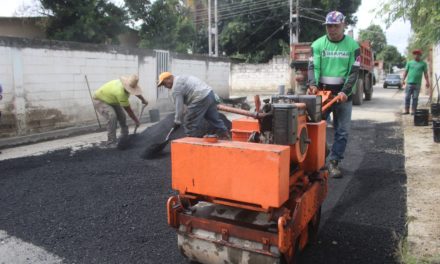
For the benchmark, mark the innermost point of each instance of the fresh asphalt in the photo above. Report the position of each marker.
(108, 206)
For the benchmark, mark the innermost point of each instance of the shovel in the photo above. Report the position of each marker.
(126, 142)
(154, 149)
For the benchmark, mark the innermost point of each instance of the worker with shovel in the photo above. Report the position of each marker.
(200, 101)
(110, 100)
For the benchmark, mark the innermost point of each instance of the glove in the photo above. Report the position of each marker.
(176, 126)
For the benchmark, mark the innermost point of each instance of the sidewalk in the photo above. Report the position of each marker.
(74, 143)
(422, 164)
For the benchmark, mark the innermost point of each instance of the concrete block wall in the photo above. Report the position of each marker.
(45, 87)
(262, 78)
(216, 74)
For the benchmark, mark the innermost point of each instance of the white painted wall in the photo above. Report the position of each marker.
(436, 61)
(263, 78)
(436, 68)
(217, 73)
(45, 89)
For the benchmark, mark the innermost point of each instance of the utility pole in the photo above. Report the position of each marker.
(209, 29)
(291, 22)
(294, 37)
(297, 22)
(216, 29)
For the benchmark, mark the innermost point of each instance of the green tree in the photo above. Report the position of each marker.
(95, 21)
(424, 16)
(258, 30)
(166, 24)
(391, 57)
(375, 35)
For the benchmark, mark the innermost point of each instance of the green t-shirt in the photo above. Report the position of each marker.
(333, 61)
(113, 93)
(415, 70)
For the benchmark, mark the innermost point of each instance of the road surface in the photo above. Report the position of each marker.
(108, 206)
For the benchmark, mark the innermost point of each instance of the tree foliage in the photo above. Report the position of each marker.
(424, 16)
(376, 36)
(168, 26)
(258, 35)
(95, 21)
(254, 31)
(250, 30)
(391, 57)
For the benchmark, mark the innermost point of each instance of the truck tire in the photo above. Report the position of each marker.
(358, 97)
(368, 89)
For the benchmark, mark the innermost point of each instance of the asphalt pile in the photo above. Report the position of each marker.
(153, 138)
(96, 205)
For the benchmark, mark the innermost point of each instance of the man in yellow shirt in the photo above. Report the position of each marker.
(111, 98)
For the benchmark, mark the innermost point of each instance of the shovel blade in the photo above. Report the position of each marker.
(153, 150)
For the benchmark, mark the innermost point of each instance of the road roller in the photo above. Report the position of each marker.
(255, 198)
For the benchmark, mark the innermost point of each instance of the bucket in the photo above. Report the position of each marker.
(436, 130)
(281, 88)
(435, 110)
(154, 115)
(421, 117)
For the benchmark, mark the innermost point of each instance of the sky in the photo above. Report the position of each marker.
(397, 35)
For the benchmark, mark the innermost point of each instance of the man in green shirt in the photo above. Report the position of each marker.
(334, 66)
(111, 98)
(414, 71)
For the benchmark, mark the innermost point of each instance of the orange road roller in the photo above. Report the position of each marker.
(256, 198)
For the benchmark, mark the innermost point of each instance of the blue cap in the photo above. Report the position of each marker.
(334, 17)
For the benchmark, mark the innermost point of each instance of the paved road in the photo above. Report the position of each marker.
(104, 206)
(364, 215)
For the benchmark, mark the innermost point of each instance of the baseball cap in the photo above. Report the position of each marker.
(417, 51)
(334, 17)
(162, 77)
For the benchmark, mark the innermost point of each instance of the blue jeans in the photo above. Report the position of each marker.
(204, 109)
(341, 123)
(412, 90)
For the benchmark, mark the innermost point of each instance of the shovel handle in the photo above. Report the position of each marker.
(169, 133)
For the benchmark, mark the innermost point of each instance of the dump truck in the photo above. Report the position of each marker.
(256, 198)
(301, 52)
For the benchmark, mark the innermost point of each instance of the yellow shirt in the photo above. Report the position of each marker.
(113, 93)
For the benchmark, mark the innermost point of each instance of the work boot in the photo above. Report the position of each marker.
(406, 111)
(224, 136)
(108, 145)
(334, 170)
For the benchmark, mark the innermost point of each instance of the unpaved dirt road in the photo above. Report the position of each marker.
(107, 206)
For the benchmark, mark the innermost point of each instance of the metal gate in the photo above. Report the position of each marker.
(162, 65)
